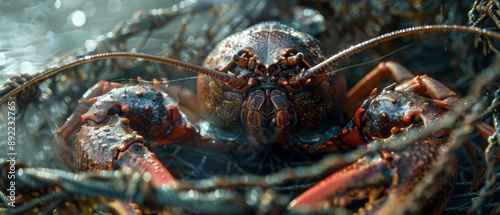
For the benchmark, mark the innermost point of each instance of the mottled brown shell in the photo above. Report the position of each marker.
(318, 105)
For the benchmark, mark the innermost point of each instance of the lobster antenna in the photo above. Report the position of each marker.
(230, 79)
(302, 78)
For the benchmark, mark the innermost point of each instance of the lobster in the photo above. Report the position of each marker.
(259, 94)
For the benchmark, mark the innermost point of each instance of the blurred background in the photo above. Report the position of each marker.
(34, 33)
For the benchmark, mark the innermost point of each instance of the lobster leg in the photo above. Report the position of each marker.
(403, 77)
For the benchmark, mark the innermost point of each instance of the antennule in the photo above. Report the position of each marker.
(300, 79)
(227, 78)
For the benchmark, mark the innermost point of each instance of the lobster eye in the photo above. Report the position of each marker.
(243, 58)
(294, 61)
(244, 55)
(300, 56)
(235, 57)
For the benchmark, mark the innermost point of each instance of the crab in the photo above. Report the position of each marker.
(256, 102)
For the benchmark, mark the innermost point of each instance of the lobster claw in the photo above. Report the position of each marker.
(355, 180)
(114, 145)
(394, 165)
(117, 124)
(384, 179)
(152, 113)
